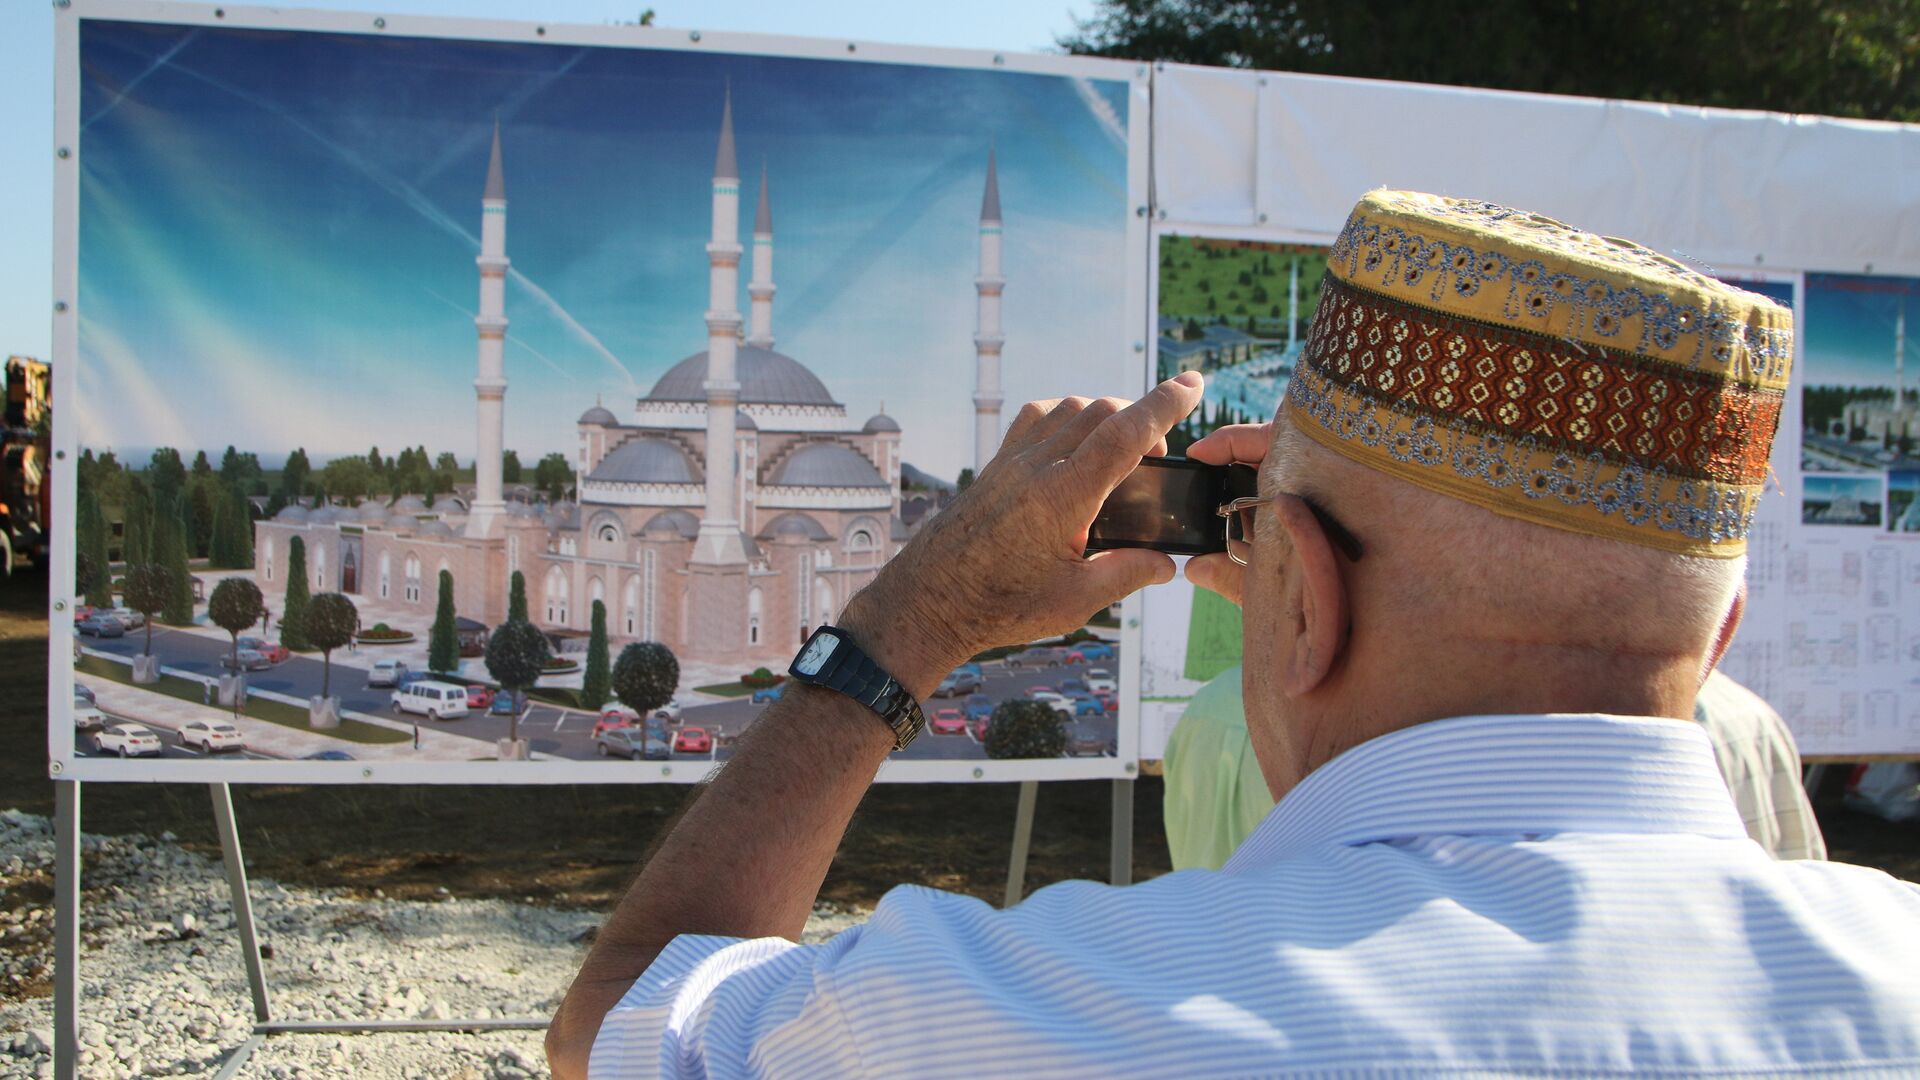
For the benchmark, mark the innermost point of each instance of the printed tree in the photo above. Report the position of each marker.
(293, 614)
(510, 467)
(517, 653)
(1024, 729)
(136, 543)
(173, 534)
(598, 681)
(443, 645)
(517, 599)
(96, 584)
(293, 478)
(201, 511)
(232, 532)
(965, 481)
(645, 676)
(236, 604)
(147, 588)
(330, 621)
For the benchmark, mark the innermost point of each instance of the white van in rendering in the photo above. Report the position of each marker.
(436, 700)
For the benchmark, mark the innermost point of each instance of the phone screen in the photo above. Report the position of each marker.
(1171, 504)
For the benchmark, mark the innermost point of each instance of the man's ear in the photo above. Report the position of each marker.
(1727, 627)
(1315, 618)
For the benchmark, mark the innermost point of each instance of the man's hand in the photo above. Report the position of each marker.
(1006, 562)
(1247, 445)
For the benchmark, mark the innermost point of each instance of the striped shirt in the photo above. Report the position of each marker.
(1496, 895)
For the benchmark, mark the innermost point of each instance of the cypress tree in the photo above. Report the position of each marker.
(517, 599)
(598, 682)
(137, 545)
(171, 532)
(98, 587)
(293, 614)
(443, 645)
(233, 532)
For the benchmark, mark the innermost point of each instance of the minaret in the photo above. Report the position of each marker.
(760, 289)
(719, 542)
(987, 337)
(490, 383)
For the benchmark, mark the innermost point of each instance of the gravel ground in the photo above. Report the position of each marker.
(164, 991)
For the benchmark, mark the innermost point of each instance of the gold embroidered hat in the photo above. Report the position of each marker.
(1544, 373)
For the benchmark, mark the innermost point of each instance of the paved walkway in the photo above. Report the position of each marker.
(275, 740)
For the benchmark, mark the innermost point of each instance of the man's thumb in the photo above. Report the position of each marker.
(1121, 572)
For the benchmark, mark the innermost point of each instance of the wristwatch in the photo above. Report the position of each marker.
(831, 659)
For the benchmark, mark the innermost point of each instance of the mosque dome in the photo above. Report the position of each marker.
(599, 415)
(409, 504)
(795, 525)
(827, 464)
(436, 528)
(766, 378)
(371, 512)
(645, 461)
(743, 422)
(323, 515)
(292, 512)
(879, 423)
(672, 523)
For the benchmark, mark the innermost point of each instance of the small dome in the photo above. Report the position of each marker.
(645, 461)
(292, 512)
(766, 378)
(409, 504)
(828, 464)
(881, 422)
(599, 415)
(672, 523)
(743, 422)
(796, 526)
(323, 515)
(521, 510)
(372, 512)
(435, 528)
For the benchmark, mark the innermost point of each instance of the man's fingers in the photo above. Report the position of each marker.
(1124, 571)
(1020, 432)
(1217, 573)
(1245, 443)
(1075, 430)
(1115, 447)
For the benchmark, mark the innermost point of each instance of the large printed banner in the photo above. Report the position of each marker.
(494, 402)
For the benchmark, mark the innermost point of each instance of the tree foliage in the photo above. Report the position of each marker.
(147, 588)
(1024, 729)
(553, 475)
(330, 620)
(597, 683)
(517, 652)
(293, 614)
(1853, 58)
(646, 675)
(236, 604)
(443, 644)
(95, 577)
(517, 598)
(172, 537)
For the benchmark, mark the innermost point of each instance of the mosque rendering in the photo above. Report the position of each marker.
(736, 507)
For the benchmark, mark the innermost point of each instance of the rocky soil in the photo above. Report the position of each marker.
(164, 990)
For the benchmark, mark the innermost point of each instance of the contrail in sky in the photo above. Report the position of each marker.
(459, 148)
(422, 205)
(1102, 111)
(159, 62)
(537, 354)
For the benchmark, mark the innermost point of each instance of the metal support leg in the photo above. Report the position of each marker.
(1815, 774)
(242, 903)
(1120, 861)
(66, 929)
(1022, 837)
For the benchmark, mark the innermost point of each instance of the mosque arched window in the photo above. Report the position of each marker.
(386, 575)
(269, 558)
(319, 568)
(753, 616)
(557, 597)
(411, 587)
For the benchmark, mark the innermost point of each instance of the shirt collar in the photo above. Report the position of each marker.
(1504, 774)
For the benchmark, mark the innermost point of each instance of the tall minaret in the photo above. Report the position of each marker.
(719, 542)
(987, 337)
(490, 383)
(760, 289)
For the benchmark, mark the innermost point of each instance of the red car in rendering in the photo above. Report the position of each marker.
(609, 720)
(692, 740)
(947, 721)
(479, 697)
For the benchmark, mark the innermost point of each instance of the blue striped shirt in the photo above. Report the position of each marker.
(1495, 895)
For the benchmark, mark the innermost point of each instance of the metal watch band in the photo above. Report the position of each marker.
(852, 672)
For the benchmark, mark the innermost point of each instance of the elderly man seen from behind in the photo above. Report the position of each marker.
(1496, 549)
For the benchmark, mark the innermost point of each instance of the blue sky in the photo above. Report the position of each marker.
(276, 243)
(1850, 329)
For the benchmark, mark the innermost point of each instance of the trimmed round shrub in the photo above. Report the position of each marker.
(1025, 729)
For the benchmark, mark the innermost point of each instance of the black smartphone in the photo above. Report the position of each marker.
(1171, 504)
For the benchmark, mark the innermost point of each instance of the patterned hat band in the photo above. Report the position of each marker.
(1558, 432)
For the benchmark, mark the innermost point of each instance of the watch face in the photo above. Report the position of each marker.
(816, 653)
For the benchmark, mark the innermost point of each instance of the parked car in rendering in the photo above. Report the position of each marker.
(86, 717)
(245, 660)
(1099, 679)
(127, 740)
(1071, 687)
(656, 728)
(386, 673)
(1089, 650)
(101, 625)
(977, 705)
(82, 693)
(768, 694)
(1087, 705)
(692, 740)
(329, 755)
(611, 719)
(1085, 740)
(432, 699)
(212, 736)
(1108, 698)
(959, 682)
(1040, 656)
(129, 619)
(502, 705)
(947, 720)
(1053, 700)
(272, 650)
(631, 743)
(479, 697)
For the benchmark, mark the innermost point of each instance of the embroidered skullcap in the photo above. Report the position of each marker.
(1545, 373)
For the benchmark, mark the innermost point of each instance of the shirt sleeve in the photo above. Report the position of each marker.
(718, 1006)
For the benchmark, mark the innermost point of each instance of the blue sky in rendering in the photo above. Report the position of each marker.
(278, 231)
(1849, 332)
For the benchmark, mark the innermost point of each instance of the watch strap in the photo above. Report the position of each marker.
(852, 672)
